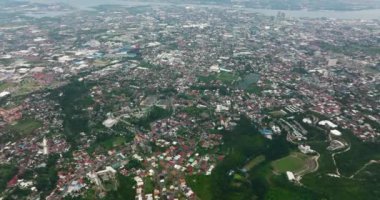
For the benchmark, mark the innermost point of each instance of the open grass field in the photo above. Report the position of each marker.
(5, 86)
(22, 88)
(294, 162)
(251, 164)
(27, 86)
(26, 126)
(148, 186)
(254, 89)
(225, 77)
(113, 142)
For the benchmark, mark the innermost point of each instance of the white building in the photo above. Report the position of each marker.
(305, 149)
(45, 146)
(332, 62)
(327, 123)
(110, 122)
(290, 176)
(4, 94)
(335, 132)
(104, 175)
(214, 68)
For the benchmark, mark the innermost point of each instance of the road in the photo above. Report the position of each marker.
(333, 158)
(365, 166)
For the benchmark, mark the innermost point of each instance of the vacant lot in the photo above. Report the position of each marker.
(26, 126)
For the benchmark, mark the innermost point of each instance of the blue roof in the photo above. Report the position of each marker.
(266, 131)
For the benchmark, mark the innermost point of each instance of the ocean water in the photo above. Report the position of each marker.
(360, 14)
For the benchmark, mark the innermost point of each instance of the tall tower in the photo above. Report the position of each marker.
(45, 146)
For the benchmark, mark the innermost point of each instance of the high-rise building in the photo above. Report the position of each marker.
(45, 146)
